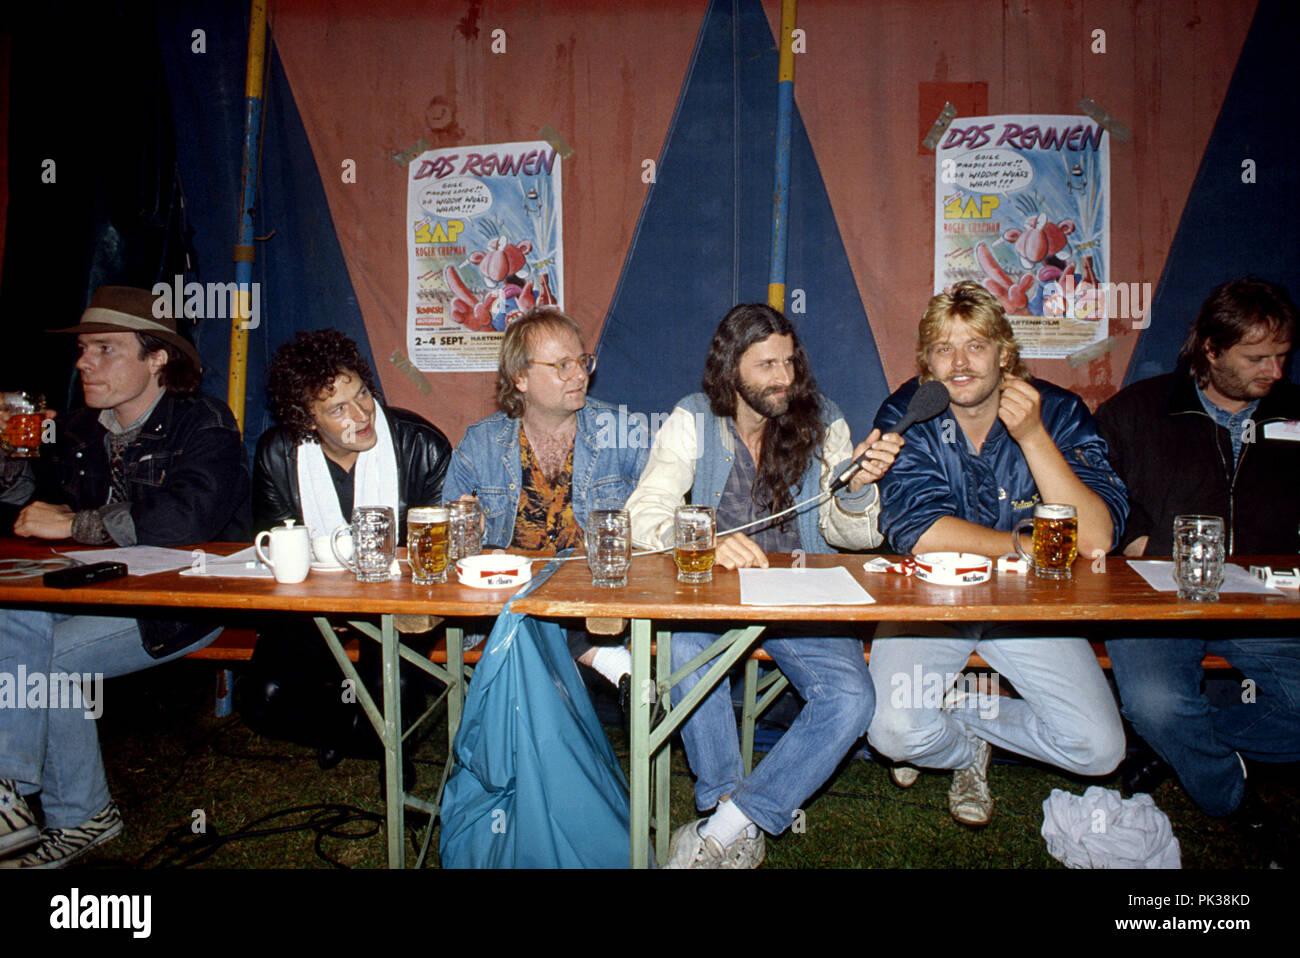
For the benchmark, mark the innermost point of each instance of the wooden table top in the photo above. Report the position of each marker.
(333, 592)
(652, 592)
(1117, 593)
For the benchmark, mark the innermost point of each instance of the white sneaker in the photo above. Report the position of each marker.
(969, 798)
(689, 849)
(904, 776)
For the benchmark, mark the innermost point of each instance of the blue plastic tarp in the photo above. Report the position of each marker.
(536, 783)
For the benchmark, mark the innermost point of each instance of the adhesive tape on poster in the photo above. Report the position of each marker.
(494, 571)
(953, 568)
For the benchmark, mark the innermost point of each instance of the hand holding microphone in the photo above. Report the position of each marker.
(879, 453)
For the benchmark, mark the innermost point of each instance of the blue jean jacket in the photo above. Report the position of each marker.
(607, 461)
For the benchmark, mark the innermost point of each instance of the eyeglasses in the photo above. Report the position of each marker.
(566, 369)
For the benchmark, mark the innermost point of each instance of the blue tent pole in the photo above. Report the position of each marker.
(781, 192)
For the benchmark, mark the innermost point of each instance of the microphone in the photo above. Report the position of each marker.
(927, 402)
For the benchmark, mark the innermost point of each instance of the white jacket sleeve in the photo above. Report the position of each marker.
(667, 478)
(847, 521)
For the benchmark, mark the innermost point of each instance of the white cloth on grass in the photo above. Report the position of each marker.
(1099, 829)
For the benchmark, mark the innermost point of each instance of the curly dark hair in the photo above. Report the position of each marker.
(790, 439)
(304, 370)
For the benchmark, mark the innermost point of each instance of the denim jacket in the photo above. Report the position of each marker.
(693, 453)
(607, 460)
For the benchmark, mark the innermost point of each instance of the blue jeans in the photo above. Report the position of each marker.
(1159, 681)
(831, 677)
(55, 750)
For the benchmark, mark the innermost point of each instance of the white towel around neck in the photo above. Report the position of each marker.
(374, 483)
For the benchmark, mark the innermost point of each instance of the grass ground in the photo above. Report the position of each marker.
(172, 766)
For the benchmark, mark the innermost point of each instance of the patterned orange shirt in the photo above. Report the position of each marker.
(544, 521)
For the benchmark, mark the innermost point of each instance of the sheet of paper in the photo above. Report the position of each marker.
(140, 560)
(1159, 574)
(243, 564)
(801, 587)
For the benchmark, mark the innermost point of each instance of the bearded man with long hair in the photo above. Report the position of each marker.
(758, 440)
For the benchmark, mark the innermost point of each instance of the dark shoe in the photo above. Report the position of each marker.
(1143, 771)
(1265, 830)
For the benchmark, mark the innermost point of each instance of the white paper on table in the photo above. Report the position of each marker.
(243, 564)
(1159, 574)
(140, 560)
(801, 587)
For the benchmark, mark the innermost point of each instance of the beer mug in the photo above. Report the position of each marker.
(1056, 540)
(609, 547)
(22, 434)
(1198, 557)
(427, 533)
(694, 541)
(465, 529)
(374, 543)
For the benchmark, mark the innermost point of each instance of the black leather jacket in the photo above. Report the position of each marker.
(423, 453)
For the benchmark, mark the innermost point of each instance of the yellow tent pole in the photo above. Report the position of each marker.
(237, 383)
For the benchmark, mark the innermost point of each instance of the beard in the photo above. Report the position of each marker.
(766, 402)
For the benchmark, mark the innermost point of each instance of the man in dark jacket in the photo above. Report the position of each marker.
(147, 462)
(1219, 436)
(960, 484)
(337, 439)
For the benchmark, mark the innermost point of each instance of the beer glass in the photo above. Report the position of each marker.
(1056, 540)
(1198, 557)
(695, 539)
(427, 535)
(22, 434)
(374, 543)
(609, 547)
(465, 529)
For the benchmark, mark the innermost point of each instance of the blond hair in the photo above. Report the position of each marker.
(980, 310)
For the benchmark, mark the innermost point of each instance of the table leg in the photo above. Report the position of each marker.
(456, 694)
(663, 759)
(640, 743)
(392, 736)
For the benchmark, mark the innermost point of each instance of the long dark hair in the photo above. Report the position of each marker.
(791, 439)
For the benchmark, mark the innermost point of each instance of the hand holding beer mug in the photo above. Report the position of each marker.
(695, 539)
(1198, 557)
(374, 543)
(428, 529)
(24, 415)
(1056, 540)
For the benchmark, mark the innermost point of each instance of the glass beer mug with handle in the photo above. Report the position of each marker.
(1056, 540)
(428, 543)
(22, 433)
(374, 543)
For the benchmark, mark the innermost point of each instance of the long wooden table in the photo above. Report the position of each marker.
(321, 595)
(1106, 591)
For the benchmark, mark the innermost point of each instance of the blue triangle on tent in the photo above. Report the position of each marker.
(1231, 227)
(703, 239)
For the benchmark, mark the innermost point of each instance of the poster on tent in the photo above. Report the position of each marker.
(1022, 206)
(484, 245)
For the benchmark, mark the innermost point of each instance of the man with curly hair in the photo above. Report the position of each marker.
(758, 440)
(336, 446)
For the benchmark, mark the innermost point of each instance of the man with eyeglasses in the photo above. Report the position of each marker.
(539, 464)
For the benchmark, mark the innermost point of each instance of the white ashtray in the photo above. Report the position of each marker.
(492, 571)
(953, 568)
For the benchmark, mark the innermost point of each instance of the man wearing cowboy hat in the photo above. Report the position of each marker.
(149, 461)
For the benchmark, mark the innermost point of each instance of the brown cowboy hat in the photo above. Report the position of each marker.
(125, 309)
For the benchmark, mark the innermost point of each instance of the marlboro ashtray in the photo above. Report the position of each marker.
(953, 568)
(491, 571)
